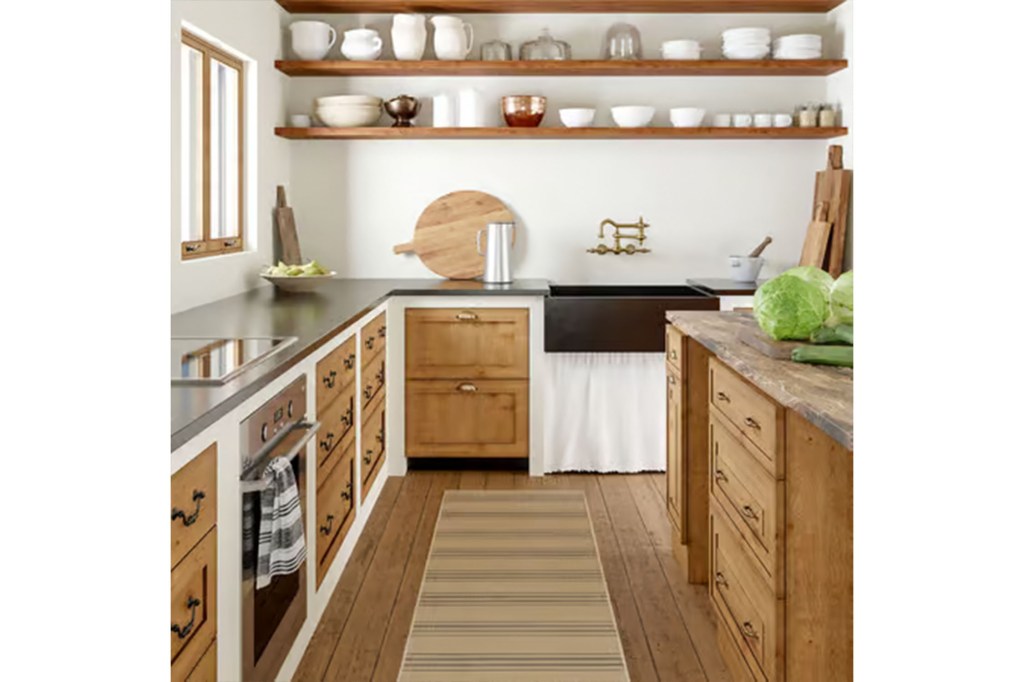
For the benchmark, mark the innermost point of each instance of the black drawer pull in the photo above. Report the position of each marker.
(720, 579)
(380, 376)
(749, 512)
(752, 423)
(329, 379)
(350, 361)
(748, 630)
(327, 444)
(369, 343)
(184, 632)
(720, 476)
(368, 457)
(326, 530)
(176, 513)
(368, 391)
(382, 332)
(346, 494)
(723, 397)
(346, 417)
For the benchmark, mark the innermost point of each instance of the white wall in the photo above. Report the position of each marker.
(705, 200)
(840, 91)
(253, 28)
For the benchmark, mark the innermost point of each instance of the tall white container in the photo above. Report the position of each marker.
(409, 36)
(444, 111)
(471, 109)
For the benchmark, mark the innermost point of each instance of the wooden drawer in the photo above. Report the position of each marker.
(193, 606)
(335, 372)
(193, 502)
(481, 418)
(374, 446)
(373, 381)
(747, 609)
(752, 498)
(673, 346)
(478, 343)
(206, 668)
(756, 415)
(337, 432)
(674, 475)
(731, 656)
(373, 337)
(335, 510)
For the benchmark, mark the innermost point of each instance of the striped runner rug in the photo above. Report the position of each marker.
(513, 591)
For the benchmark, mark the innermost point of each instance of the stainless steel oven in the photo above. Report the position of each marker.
(272, 615)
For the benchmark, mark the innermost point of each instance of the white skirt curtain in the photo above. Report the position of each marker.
(604, 412)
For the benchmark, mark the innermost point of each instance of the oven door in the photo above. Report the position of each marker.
(273, 615)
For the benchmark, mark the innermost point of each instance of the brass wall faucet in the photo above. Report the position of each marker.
(640, 236)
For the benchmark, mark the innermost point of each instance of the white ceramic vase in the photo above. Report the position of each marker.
(409, 36)
(362, 45)
(453, 38)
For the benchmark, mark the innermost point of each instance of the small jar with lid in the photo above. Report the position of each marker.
(827, 116)
(545, 48)
(807, 116)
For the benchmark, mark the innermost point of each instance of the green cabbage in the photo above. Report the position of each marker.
(789, 307)
(841, 299)
(814, 275)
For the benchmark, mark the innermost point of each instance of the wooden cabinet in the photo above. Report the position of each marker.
(467, 382)
(335, 372)
(374, 380)
(753, 413)
(374, 439)
(335, 510)
(674, 441)
(372, 338)
(673, 347)
(206, 668)
(337, 431)
(194, 565)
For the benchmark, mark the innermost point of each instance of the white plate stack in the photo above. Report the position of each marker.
(800, 46)
(746, 43)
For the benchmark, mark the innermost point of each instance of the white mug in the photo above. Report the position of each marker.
(312, 39)
(300, 120)
(782, 120)
(742, 120)
(722, 121)
(763, 120)
(453, 38)
(362, 45)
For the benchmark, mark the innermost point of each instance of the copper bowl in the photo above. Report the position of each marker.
(403, 109)
(523, 111)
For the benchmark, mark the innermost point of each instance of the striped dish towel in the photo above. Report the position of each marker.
(282, 546)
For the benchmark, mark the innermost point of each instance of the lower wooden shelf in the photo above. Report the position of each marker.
(426, 133)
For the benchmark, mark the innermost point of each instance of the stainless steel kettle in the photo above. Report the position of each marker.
(498, 256)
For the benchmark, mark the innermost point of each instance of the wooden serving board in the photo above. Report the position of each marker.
(832, 186)
(445, 235)
(285, 219)
(761, 342)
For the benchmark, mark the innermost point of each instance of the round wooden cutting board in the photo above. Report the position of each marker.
(445, 236)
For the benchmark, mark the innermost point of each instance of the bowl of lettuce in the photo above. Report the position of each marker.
(297, 279)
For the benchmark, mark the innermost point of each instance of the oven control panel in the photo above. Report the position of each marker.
(274, 417)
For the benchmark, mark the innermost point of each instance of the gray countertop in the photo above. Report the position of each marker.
(313, 318)
(822, 395)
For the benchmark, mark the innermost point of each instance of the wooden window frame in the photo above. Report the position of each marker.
(206, 246)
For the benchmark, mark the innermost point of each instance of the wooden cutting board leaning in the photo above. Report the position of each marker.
(445, 235)
(816, 241)
(832, 187)
(285, 220)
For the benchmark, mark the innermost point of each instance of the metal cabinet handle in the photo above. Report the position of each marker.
(749, 421)
(368, 391)
(368, 457)
(197, 496)
(723, 397)
(382, 332)
(380, 437)
(720, 476)
(326, 530)
(671, 379)
(346, 494)
(369, 343)
(464, 316)
(327, 444)
(467, 388)
(350, 361)
(228, 243)
(749, 512)
(193, 248)
(673, 354)
(748, 630)
(346, 417)
(329, 379)
(720, 579)
(183, 632)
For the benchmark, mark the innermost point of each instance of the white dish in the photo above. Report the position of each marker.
(347, 100)
(349, 116)
(759, 53)
(299, 285)
(577, 117)
(633, 116)
(747, 33)
(300, 120)
(686, 117)
(800, 38)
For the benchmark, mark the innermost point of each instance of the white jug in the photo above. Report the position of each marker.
(409, 36)
(453, 38)
(312, 39)
(362, 45)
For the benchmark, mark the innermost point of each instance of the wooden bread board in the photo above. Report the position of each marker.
(285, 219)
(761, 342)
(832, 186)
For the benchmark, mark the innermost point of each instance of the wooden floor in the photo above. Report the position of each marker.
(666, 624)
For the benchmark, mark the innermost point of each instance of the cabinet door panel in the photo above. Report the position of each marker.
(478, 343)
(480, 418)
(674, 442)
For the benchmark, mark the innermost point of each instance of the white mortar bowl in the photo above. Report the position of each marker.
(744, 268)
(633, 116)
(686, 117)
(577, 118)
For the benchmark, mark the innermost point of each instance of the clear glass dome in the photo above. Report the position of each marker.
(623, 43)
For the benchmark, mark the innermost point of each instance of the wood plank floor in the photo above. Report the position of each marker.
(666, 624)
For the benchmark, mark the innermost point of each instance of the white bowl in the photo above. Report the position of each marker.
(577, 118)
(756, 33)
(347, 99)
(299, 285)
(349, 116)
(686, 117)
(746, 53)
(633, 116)
(744, 268)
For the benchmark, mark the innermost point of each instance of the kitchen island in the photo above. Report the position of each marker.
(760, 493)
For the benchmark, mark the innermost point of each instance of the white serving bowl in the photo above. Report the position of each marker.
(299, 285)
(744, 268)
(347, 100)
(754, 33)
(349, 116)
(577, 117)
(633, 116)
(686, 117)
(680, 49)
(746, 52)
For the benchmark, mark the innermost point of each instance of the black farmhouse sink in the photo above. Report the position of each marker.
(615, 318)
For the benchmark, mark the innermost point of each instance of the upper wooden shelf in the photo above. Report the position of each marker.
(427, 133)
(703, 67)
(555, 6)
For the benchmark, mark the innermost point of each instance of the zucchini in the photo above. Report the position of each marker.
(842, 333)
(839, 356)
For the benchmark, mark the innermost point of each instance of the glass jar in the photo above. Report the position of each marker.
(545, 48)
(496, 51)
(622, 43)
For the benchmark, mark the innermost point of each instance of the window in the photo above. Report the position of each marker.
(212, 160)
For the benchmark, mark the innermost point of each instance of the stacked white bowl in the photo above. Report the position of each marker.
(680, 49)
(746, 43)
(348, 111)
(798, 46)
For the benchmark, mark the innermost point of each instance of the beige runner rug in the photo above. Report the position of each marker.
(513, 592)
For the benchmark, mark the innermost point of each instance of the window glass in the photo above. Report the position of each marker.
(224, 165)
(192, 144)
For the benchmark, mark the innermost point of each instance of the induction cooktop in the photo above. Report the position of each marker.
(215, 361)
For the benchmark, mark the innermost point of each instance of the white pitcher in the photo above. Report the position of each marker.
(453, 38)
(409, 36)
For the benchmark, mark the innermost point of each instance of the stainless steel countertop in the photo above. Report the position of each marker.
(313, 318)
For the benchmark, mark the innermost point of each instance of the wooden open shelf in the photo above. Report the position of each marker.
(554, 6)
(417, 133)
(596, 67)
